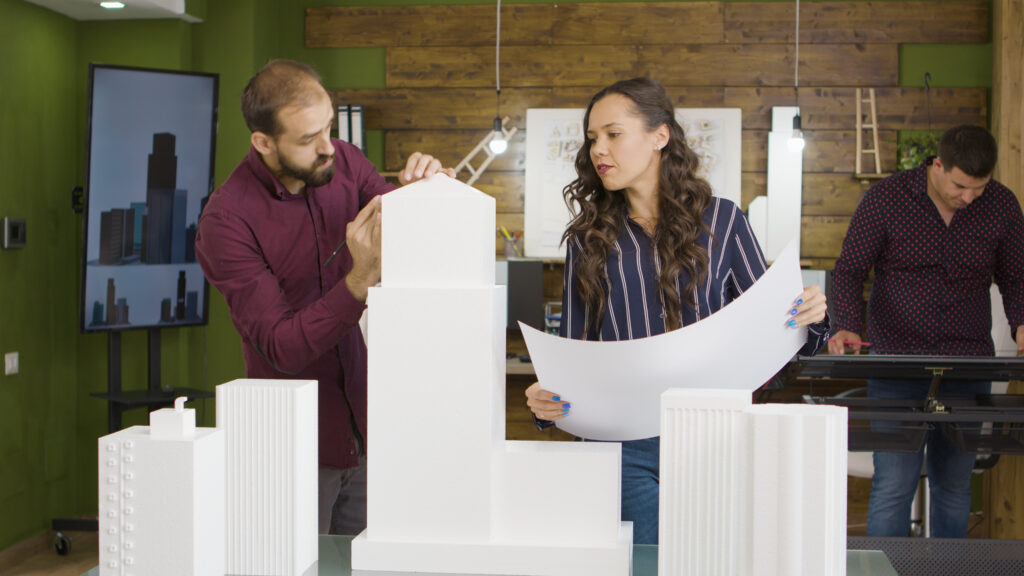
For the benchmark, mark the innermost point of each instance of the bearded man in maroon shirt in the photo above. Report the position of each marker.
(937, 237)
(292, 241)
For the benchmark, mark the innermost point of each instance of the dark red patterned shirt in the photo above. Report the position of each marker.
(931, 288)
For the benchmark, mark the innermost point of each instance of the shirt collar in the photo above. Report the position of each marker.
(919, 177)
(265, 176)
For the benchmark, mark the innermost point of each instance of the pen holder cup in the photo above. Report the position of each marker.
(514, 247)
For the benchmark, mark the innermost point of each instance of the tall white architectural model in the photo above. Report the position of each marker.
(161, 498)
(751, 489)
(447, 493)
(271, 437)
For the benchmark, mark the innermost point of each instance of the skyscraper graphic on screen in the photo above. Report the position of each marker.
(165, 232)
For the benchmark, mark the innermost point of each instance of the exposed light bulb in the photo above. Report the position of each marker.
(112, 5)
(498, 144)
(796, 139)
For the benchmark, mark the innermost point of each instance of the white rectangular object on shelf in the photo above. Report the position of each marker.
(271, 438)
(161, 503)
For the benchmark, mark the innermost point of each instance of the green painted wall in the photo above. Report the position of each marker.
(39, 152)
(50, 423)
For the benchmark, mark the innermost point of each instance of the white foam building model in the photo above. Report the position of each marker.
(161, 498)
(270, 429)
(751, 489)
(446, 492)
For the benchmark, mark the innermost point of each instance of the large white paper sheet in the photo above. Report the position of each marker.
(615, 387)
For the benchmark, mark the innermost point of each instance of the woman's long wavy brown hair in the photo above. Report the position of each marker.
(598, 214)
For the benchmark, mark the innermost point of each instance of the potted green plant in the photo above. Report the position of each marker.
(916, 145)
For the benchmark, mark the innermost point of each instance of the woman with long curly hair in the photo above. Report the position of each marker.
(649, 250)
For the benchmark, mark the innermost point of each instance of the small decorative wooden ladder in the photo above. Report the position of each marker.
(861, 126)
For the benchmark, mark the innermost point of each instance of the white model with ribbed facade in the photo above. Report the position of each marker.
(270, 429)
(748, 489)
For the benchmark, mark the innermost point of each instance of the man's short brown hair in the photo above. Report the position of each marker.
(278, 84)
(971, 149)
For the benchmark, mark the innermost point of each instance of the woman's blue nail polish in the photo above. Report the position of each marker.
(791, 323)
(799, 301)
(566, 406)
(564, 412)
(557, 398)
(793, 312)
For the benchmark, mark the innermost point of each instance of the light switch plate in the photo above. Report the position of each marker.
(10, 363)
(12, 233)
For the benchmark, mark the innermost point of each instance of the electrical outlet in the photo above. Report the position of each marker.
(10, 363)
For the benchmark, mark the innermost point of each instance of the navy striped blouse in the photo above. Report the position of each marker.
(634, 310)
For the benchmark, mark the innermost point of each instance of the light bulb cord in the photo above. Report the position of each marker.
(796, 60)
(497, 64)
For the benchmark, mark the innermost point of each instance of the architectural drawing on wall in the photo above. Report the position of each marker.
(554, 136)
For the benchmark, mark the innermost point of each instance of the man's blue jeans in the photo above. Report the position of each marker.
(896, 475)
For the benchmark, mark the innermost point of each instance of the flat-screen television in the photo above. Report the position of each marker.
(149, 169)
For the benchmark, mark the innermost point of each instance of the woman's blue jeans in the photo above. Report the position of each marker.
(640, 460)
(896, 474)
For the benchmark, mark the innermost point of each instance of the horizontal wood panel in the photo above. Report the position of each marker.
(869, 65)
(507, 188)
(822, 236)
(821, 108)
(825, 150)
(340, 27)
(520, 66)
(823, 194)
(835, 22)
(690, 65)
(648, 24)
(629, 23)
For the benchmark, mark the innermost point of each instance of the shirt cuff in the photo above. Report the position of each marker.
(343, 304)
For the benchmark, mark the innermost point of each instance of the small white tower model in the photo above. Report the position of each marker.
(271, 436)
(751, 489)
(446, 492)
(161, 498)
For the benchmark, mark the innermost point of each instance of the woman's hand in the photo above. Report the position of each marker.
(545, 405)
(808, 308)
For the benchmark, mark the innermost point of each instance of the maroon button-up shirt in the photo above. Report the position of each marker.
(931, 288)
(265, 250)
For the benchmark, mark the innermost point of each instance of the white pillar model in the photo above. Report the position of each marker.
(446, 492)
(751, 489)
(161, 498)
(271, 437)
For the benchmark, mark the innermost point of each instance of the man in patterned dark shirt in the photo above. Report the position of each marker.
(937, 236)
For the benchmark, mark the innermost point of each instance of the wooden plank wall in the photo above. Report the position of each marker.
(440, 95)
(1005, 482)
(440, 79)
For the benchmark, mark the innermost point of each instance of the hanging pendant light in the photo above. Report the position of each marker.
(498, 143)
